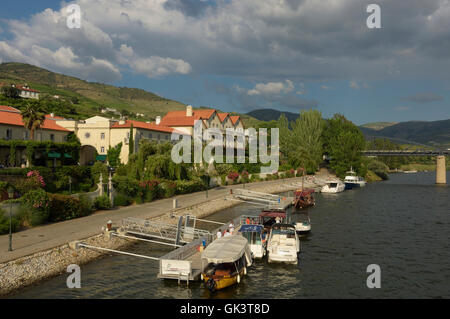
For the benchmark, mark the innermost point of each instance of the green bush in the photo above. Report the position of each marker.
(186, 187)
(224, 169)
(98, 168)
(168, 188)
(4, 223)
(87, 206)
(64, 207)
(36, 207)
(122, 200)
(126, 185)
(102, 202)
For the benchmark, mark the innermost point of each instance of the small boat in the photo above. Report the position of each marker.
(353, 181)
(303, 225)
(226, 260)
(304, 198)
(284, 244)
(256, 239)
(410, 172)
(333, 186)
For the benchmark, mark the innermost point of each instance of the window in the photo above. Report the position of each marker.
(87, 135)
(25, 135)
(102, 149)
(167, 137)
(52, 137)
(102, 136)
(150, 135)
(8, 133)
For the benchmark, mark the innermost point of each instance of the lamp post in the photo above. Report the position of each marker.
(10, 196)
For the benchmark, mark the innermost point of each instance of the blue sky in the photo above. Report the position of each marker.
(244, 55)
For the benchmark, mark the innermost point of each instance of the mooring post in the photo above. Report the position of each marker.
(441, 171)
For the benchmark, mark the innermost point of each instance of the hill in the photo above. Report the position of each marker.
(378, 125)
(270, 114)
(434, 133)
(89, 97)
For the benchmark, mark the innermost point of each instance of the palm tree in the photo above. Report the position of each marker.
(33, 117)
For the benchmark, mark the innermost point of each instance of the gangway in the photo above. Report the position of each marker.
(270, 200)
(179, 234)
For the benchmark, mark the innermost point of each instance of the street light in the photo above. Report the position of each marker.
(10, 196)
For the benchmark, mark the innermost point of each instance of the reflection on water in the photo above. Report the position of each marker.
(401, 225)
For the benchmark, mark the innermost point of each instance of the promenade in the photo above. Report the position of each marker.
(46, 237)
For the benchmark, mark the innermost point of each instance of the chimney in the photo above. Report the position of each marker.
(158, 120)
(189, 110)
(52, 114)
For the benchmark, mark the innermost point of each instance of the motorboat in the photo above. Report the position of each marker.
(303, 224)
(410, 172)
(353, 181)
(269, 217)
(333, 186)
(284, 244)
(256, 239)
(304, 198)
(225, 262)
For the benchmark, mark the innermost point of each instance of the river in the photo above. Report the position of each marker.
(402, 225)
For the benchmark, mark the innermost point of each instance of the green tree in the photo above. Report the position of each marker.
(33, 117)
(113, 155)
(131, 142)
(302, 144)
(11, 92)
(343, 142)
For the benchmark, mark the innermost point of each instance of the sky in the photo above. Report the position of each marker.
(242, 55)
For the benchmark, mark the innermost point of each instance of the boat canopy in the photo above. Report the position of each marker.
(227, 250)
(251, 228)
(304, 192)
(273, 214)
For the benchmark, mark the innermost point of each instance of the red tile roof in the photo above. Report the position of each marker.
(25, 89)
(222, 116)
(179, 118)
(234, 119)
(9, 109)
(14, 118)
(145, 126)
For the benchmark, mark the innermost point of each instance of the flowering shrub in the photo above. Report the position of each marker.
(245, 176)
(168, 188)
(35, 175)
(185, 187)
(233, 176)
(148, 191)
(37, 207)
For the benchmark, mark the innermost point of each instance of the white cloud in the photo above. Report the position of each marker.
(261, 40)
(153, 66)
(272, 88)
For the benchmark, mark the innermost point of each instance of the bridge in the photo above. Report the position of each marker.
(441, 170)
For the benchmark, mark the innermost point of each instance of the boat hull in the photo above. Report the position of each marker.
(354, 185)
(223, 282)
(275, 258)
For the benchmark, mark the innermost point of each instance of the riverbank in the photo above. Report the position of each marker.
(32, 268)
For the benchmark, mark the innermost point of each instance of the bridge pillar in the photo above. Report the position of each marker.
(441, 171)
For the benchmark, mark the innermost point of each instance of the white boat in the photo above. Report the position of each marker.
(254, 236)
(353, 181)
(303, 225)
(333, 186)
(410, 172)
(284, 244)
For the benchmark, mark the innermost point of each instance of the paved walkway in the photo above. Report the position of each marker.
(45, 237)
